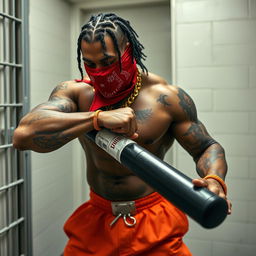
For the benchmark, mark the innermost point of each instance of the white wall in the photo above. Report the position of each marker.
(52, 189)
(216, 64)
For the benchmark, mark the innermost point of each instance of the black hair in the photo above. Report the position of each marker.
(119, 31)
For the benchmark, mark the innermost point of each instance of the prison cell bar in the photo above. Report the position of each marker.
(10, 64)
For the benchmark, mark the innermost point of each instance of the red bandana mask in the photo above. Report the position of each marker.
(110, 84)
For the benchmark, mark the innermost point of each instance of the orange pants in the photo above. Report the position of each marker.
(158, 230)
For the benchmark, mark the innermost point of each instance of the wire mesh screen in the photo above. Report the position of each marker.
(15, 235)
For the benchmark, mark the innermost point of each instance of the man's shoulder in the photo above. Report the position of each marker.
(157, 84)
(72, 87)
(74, 90)
(74, 84)
(172, 98)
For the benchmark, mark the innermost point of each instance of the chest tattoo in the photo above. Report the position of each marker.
(143, 115)
(162, 100)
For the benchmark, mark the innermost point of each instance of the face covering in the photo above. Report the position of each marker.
(112, 84)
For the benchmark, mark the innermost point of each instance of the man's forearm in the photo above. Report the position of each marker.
(212, 161)
(47, 130)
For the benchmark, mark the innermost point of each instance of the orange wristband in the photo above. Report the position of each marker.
(220, 180)
(95, 120)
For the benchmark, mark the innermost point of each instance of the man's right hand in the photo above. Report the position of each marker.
(122, 120)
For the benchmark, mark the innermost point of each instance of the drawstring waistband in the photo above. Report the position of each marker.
(125, 209)
(140, 204)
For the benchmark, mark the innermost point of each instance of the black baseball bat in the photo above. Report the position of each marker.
(202, 205)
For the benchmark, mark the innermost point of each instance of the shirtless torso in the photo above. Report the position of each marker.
(108, 177)
(163, 113)
(160, 114)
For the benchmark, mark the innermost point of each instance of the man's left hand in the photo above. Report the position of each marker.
(214, 186)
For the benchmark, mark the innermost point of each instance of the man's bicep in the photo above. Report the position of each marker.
(193, 137)
(61, 99)
(186, 128)
(61, 104)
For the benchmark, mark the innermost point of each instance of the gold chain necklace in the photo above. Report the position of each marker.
(133, 95)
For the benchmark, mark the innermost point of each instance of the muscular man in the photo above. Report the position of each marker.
(136, 104)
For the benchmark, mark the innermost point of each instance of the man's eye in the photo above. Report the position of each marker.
(105, 64)
(108, 62)
(90, 65)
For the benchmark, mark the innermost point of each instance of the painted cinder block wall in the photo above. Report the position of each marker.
(216, 65)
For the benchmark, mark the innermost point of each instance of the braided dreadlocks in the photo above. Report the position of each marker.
(118, 29)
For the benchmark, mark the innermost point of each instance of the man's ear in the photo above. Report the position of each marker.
(127, 44)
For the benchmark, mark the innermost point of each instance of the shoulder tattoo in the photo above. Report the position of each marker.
(61, 86)
(187, 105)
(62, 104)
(59, 104)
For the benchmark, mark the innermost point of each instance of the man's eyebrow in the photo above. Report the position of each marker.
(103, 59)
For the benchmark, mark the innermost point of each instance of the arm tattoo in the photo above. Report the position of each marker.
(51, 140)
(60, 104)
(64, 105)
(163, 101)
(208, 160)
(199, 139)
(143, 115)
(40, 116)
(59, 87)
(187, 105)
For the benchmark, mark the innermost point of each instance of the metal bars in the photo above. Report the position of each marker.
(12, 225)
(10, 64)
(15, 202)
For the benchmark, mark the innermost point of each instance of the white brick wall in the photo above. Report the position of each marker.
(252, 77)
(52, 194)
(216, 64)
(211, 10)
(196, 44)
(208, 77)
(234, 32)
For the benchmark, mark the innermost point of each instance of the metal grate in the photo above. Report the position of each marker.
(15, 202)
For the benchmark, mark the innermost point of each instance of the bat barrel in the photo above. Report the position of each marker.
(205, 207)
